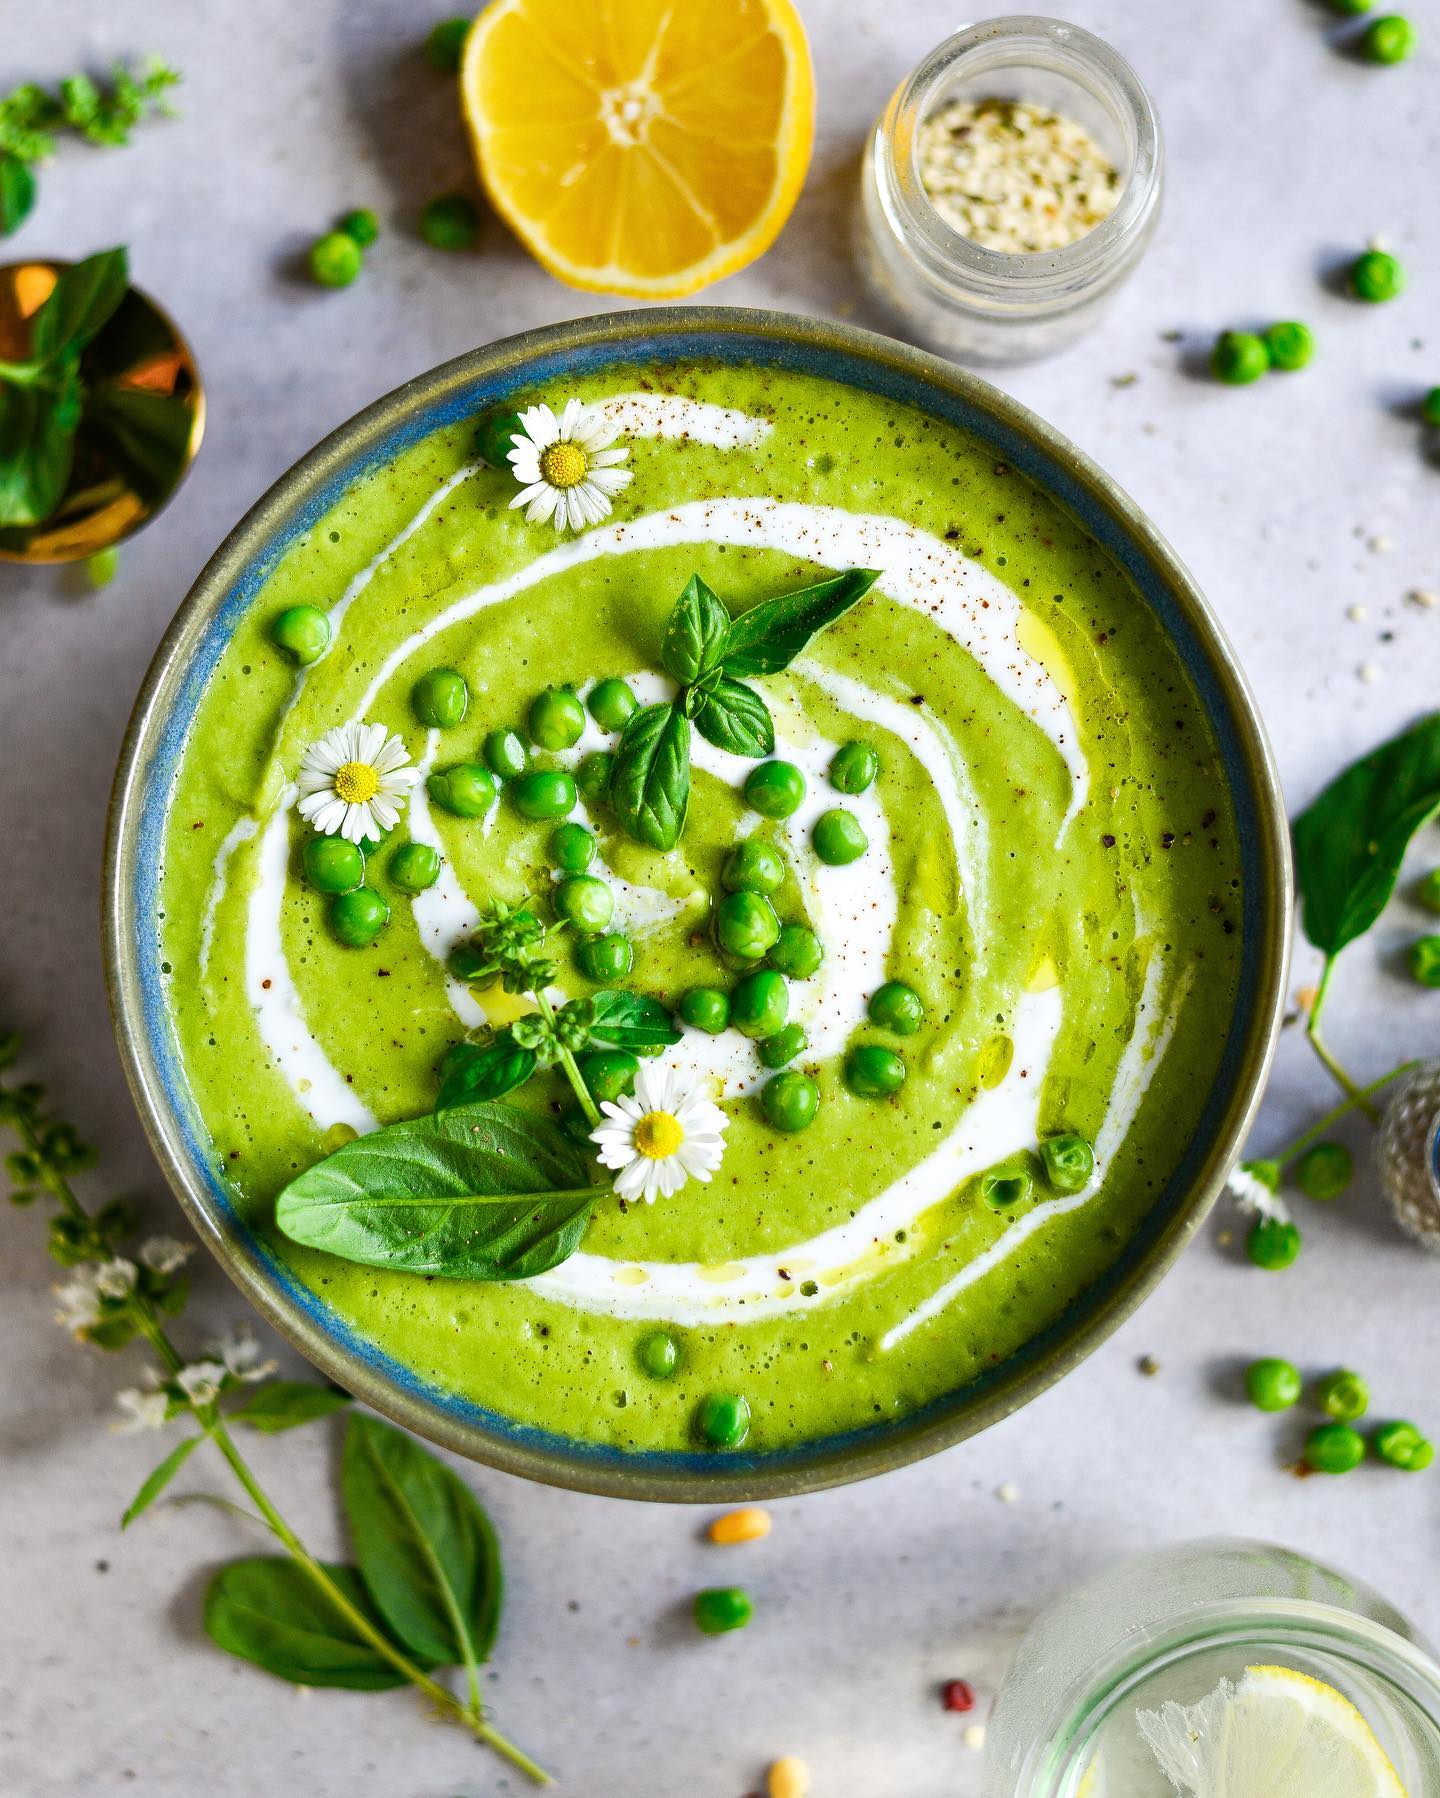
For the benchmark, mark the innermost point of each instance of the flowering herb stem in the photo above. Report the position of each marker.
(1351, 1088)
(1283, 1157)
(568, 1061)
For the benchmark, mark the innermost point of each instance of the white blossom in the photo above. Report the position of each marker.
(240, 1352)
(79, 1300)
(116, 1279)
(141, 1410)
(354, 781)
(201, 1381)
(165, 1254)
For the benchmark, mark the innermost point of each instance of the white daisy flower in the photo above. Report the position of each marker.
(116, 1279)
(201, 1381)
(1254, 1196)
(354, 781)
(667, 1134)
(79, 1300)
(140, 1410)
(567, 466)
(165, 1254)
(240, 1351)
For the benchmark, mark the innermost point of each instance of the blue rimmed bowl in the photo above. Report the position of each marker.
(202, 628)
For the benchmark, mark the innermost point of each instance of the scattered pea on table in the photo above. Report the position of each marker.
(450, 222)
(361, 224)
(1324, 1170)
(1239, 357)
(1428, 891)
(1273, 1243)
(1424, 960)
(1376, 276)
(1334, 1448)
(1343, 1395)
(1290, 345)
(1390, 40)
(1273, 1384)
(335, 259)
(1400, 1444)
(1430, 412)
(445, 44)
(723, 1608)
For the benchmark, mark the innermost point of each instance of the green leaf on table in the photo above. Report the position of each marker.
(37, 448)
(771, 634)
(478, 1071)
(17, 192)
(482, 1192)
(159, 1478)
(286, 1404)
(1351, 840)
(695, 634)
(80, 304)
(146, 436)
(630, 1021)
(733, 716)
(269, 1610)
(426, 1550)
(650, 781)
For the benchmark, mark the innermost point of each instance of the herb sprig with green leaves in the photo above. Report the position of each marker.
(709, 653)
(32, 117)
(425, 1588)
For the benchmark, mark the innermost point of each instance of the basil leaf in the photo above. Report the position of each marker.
(631, 1021)
(650, 781)
(79, 304)
(146, 436)
(159, 1478)
(1349, 842)
(37, 452)
(735, 717)
(17, 192)
(771, 634)
(485, 1192)
(286, 1404)
(695, 633)
(426, 1550)
(476, 1071)
(268, 1610)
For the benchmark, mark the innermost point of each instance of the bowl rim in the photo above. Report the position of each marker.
(392, 421)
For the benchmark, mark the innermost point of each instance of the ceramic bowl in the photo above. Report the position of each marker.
(472, 385)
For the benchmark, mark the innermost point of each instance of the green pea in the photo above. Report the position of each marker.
(796, 951)
(335, 259)
(450, 223)
(1238, 358)
(705, 1008)
(303, 632)
(545, 793)
(1006, 1191)
(1334, 1448)
(873, 1072)
(1428, 891)
(1400, 1444)
(1343, 1395)
(445, 44)
(897, 1008)
(609, 1073)
(440, 698)
(606, 958)
(467, 789)
(774, 789)
(1068, 1160)
(1376, 276)
(722, 1608)
(1430, 412)
(790, 1101)
(332, 865)
(838, 838)
(760, 1003)
(723, 1419)
(746, 925)
(1291, 345)
(610, 703)
(362, 225)
(357, 918)
(775, 1051)
(1424, 960)
(495, 437)
(1272, 1384)
(1352, 6)
(572, 848)
(753, 866)
(658, 1354)
(557, 719)
(1325, 1171)
(103, 566)
(1273, 1244)
(414, 867)
(1391, 39)
(584, 902)
(854, 768)
(505, 754)
(593, 775)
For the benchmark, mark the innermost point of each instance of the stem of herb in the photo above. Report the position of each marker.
(1349, 1087)
(568, 1062)
(54, 1183)
(1286, 1155)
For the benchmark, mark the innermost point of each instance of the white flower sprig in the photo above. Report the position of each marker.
(354, 782)
(1252, 1186)
(567, 467)
(667, 1134)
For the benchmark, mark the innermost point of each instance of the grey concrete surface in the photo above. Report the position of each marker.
(1293, 502)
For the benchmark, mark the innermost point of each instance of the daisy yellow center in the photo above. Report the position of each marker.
(355, 782)
(658, 1134)
(563, 464)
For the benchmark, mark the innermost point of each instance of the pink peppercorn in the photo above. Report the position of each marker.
(957, 1695)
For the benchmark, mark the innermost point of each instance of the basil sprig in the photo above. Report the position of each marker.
(707, 651)
(480, 1192)
(1351, 840)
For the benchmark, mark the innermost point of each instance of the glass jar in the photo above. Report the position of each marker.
(1171, 1625)
(982, 305)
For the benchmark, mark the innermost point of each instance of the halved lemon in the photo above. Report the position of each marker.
(641, 147)
(1277, 1734)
